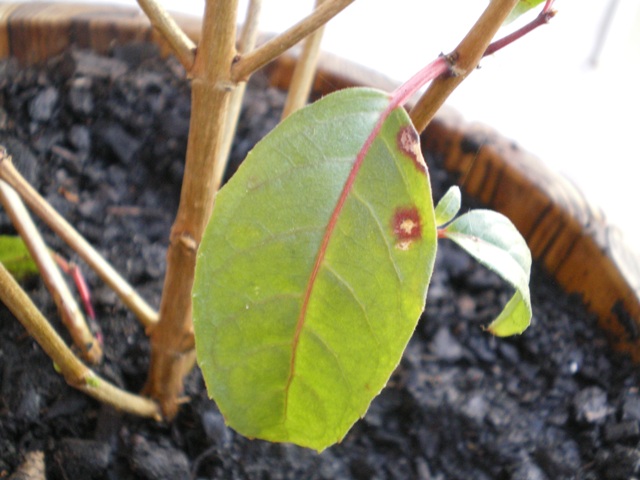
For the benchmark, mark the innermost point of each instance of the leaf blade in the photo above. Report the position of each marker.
(314, 388)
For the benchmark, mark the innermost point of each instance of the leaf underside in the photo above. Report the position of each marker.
(494, 241)
(299, 323)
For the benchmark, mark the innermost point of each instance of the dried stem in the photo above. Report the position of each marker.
(8, 173)
(249, 34)
(69, 311)
(304, 72)
(248, 64)
(74, 371)
(211, 90)
(32, 467)
(464, 59)
(247, 42)
(180, 43)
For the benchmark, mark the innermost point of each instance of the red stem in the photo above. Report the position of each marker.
(72, 269)
(83, 290)
(404, 92)
(542, 19)
(547, 6)
(444, 65)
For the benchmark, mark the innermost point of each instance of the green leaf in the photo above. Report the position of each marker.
(308, 287)
(495, 242)
(522, 7)
(16, 258)
(448, 206)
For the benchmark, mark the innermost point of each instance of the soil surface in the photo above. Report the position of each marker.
(108, 137)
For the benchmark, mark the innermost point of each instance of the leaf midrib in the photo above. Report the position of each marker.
(333, 220)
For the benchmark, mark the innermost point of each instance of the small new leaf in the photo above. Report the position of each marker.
(448, 206)
(523, 6)
(16, 258)
(494, 241)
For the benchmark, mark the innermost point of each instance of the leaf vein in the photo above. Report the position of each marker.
(380, 230)
(349, 289)
(335, 356)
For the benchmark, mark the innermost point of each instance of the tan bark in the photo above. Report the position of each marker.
(211, 91)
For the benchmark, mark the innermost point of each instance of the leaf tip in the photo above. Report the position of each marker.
(448, 206)
(498, 331)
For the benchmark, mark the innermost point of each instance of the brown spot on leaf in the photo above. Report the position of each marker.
(406, 227)
(409, 143)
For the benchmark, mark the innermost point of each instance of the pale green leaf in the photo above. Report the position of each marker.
(448, 206)
(522, 7)
(298, 323)
(15, 257)
(495, 242)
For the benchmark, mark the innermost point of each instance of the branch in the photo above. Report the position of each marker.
(211, 90)
(304, 72)
(67, 306)
(247, 42)
(463, 60)
(248, 64)
(74, 371)
(180, 43)
(8, 173)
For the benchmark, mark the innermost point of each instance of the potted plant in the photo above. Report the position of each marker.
(89, 385)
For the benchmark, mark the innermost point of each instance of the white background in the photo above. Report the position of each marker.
(544, 91)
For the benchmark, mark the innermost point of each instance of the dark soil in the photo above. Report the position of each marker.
(108, 136)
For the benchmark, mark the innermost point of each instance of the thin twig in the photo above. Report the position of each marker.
(542, 19)
(249, 33)
(248, 64)
(304, 72)
(147, 316)
(464, 59)
(180, 43)
(67, 306)
(73, 370)
(247, 42)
